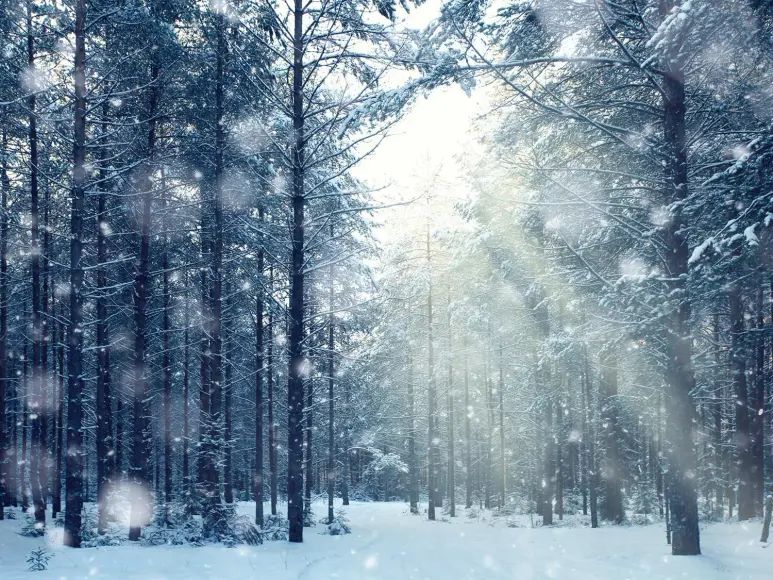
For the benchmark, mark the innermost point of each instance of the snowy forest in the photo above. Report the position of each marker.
(221, 328)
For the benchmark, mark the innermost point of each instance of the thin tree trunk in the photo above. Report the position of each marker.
(25, 490)
(331, 478)
(502, 467)
(718, 451)
(432, 437)
(451, 480)
(5, 457)
(259, 370)
(272, 451)
(167, 363)
(413, 468)
(57, 499)
(37, 451)
(104, 411)
(309, 450)
(467, 426)
(740, 384)
(592, 471)
(611, 467)
(758, 409)
(74, 466)
(186, 396)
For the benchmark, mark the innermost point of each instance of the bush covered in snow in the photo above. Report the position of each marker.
(38, 559)
(31, 528)
(275, 528)
(339, 526)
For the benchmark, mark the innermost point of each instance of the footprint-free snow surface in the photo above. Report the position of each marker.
(388, 543)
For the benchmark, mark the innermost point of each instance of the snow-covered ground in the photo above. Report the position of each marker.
(388, 543)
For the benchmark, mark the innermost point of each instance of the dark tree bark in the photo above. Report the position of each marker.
(413, 468)
(591, 441)
(451, 480)
(37, 451)
(212, 475)
(740, 387)
(57, 486)
(272, 463)
(309, 451)
(296, 310)
(204, 356)
(5, 458)
(25, 490)
(757, 409)
(187, 484)
(432, 437)
(331, 471)
(166, 363)
(259, 370)
(549, 467)
(140, 473)
(105, 450)
(347, 459)
(611, 468)
(680, 378)
(716, 408)
(502, 466)
(228, 467)
(74, 466)
(467, 434)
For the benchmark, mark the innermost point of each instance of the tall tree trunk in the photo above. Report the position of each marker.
(611, 468)
(259, 370)
(758, 409)
(296, 362)
(204, 347)
(740, 386)
(35, 396)
(140, 508)
(591, 433)
(166, 362)
(272, 459)
(347, 459)
(432, 436)
(331, 471)
(25, 490)
(57, 496)
(74, 466)
(451, 480)
(186, 397)
(5, 457)
(467, 426)
(214, 447)
(502, 467)
(489, 432)
(228, 464)
(309, 449)
(413, 468)
(49, 385)
(717, 396)
(680, 377)
(105, 450)
(549, 467)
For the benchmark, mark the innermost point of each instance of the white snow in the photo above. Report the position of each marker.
(388, 543)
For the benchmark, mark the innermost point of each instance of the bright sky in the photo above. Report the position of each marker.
(434, 133)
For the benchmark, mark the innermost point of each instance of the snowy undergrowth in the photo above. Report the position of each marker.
(386, 543)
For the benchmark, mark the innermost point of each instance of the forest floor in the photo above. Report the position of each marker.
(388, 543)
